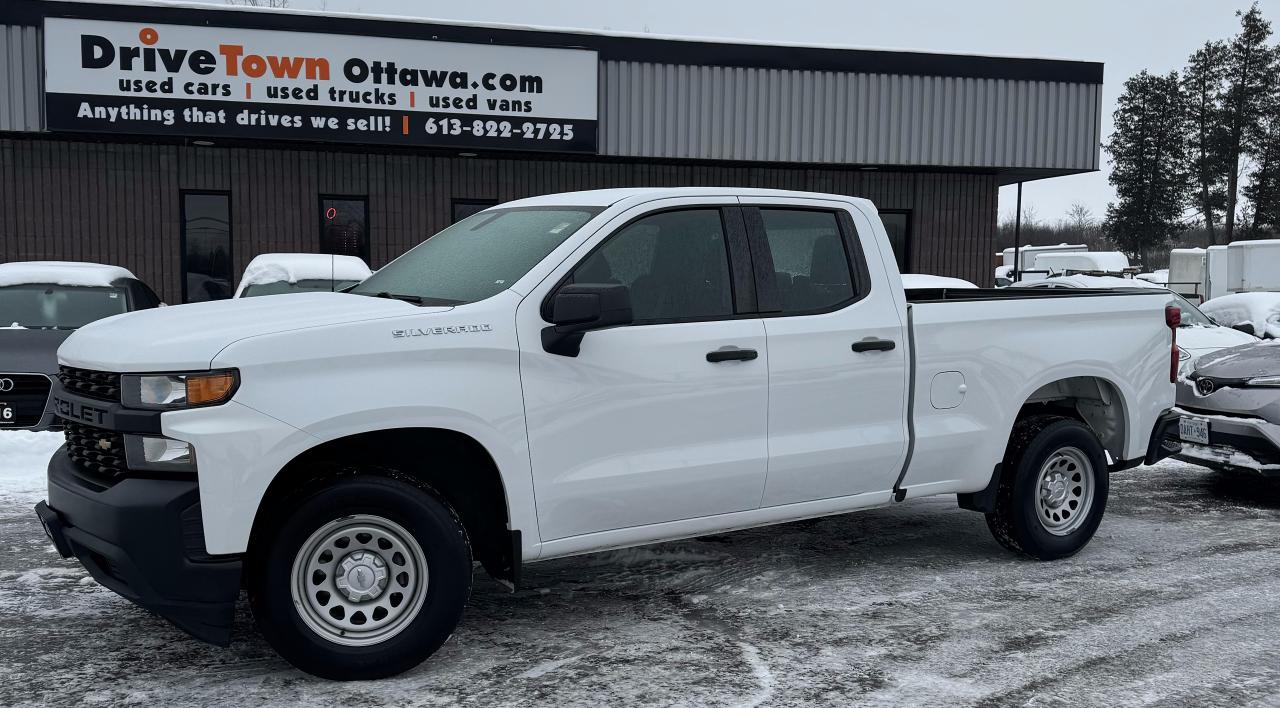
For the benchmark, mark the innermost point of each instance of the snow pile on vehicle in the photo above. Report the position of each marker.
(71, 274)
(1100, 282)
(920, 281)
(293, 267)
(1262, 310)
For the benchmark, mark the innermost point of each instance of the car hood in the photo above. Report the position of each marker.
(1203, 340)
(1243, 362)
(30, 351)
(190, 336)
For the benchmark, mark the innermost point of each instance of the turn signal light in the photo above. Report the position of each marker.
(209, 388)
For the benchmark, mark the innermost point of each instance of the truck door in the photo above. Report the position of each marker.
(837, 359)
(642, 426)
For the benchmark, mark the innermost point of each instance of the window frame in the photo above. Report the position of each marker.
(182, 226)
(906, 238)
(742, 286)
(368, 231)
(762, 257)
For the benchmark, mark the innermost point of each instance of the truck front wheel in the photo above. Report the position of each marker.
(1053, 488)
(364, 578)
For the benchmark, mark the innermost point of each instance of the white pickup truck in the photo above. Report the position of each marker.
(572, 373)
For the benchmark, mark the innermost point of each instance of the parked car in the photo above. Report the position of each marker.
(279, 273)
(598, 356)
(1198, 334)
(1231, 406)
(41, 304)
(1255, 313)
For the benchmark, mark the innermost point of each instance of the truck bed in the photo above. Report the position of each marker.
(922, 295)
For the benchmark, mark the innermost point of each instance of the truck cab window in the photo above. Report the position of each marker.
(675, 264)
(809, 259)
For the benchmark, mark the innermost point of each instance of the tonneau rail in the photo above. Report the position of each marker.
(921, 295)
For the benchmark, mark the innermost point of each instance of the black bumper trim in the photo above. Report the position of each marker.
(130, 539)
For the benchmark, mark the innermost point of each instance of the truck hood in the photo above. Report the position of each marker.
(1248, 361)
(188, 337)
(1203, 340)
(30, 351)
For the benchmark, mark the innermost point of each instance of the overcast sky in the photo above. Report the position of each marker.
(1126, 35)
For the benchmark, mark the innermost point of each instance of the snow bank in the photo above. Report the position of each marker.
(24, 456)
(1262, 310)
(91, 275)
(292, 267)
(919, 281)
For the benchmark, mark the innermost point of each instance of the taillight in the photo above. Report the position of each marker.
(1173, 318)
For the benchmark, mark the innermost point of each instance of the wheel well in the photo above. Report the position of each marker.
(451, 465)
(1093, 401)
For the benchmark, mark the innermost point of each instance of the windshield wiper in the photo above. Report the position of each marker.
(417, 299)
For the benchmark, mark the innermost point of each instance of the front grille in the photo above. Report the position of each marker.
(25, 395)
(97, 452)
(103, 385)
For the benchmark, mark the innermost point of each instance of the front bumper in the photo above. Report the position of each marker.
(1236, 443)
(142, 539)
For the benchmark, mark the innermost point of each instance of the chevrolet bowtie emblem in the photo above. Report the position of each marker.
(104, 444)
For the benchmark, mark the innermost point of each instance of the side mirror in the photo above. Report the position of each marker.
(1246, 327)
(578, 309)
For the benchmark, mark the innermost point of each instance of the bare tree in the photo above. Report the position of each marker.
(260, 3)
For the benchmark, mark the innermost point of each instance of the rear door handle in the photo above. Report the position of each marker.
(734, 354)
(871, 344)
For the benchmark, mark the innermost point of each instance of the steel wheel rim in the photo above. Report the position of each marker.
(359, 580)
(1064, 491)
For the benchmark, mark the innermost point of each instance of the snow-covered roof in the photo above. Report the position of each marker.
(293, 267)
(1262, 310)
(1104, 282)
(921, 281)
(69, 273)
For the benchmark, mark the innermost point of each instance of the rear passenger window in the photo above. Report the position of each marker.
(809, 260)
(675, 264)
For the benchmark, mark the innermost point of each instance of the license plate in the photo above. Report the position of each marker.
(8, 414)
(1194, 430)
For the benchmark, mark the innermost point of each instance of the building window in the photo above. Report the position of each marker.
(898, 225)
(463, 208)
(344, 226)
(206, 246)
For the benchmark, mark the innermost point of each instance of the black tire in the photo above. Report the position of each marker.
(431, 523)
(1015, 523)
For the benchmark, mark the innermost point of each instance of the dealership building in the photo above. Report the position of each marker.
(181, 141)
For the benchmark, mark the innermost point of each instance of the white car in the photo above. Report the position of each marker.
(1258, 313)
(574, 373)
(1197, 335)
(279, 273)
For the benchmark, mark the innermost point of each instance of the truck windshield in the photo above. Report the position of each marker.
(40, 306)
(477, 257)
(302, 286)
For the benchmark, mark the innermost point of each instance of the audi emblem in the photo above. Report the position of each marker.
(1205, 387)
(6, 385)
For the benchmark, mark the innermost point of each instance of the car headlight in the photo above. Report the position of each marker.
(1264, 381)
(171, 391)
(158, 454)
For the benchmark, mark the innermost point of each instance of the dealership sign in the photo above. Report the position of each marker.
(153, 79)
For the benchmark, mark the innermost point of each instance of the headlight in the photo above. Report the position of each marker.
(158, 454)
(169, 391)
(1264, 381)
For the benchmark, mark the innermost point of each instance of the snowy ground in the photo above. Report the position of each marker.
(1174, 603)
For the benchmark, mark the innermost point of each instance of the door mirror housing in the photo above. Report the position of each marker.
(1246, 327)
(578, 309)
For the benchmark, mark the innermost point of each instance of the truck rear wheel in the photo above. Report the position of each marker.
(1053, 489)
(364, 578)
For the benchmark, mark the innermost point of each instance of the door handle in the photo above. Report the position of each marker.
(871, 344)
(735, 354)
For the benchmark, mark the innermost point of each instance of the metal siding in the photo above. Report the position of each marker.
(21, 79)
(774, 115)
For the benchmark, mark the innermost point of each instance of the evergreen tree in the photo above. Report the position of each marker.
(1204, 85)
(1251, 80)
(1148, 152)
(1263, 190)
